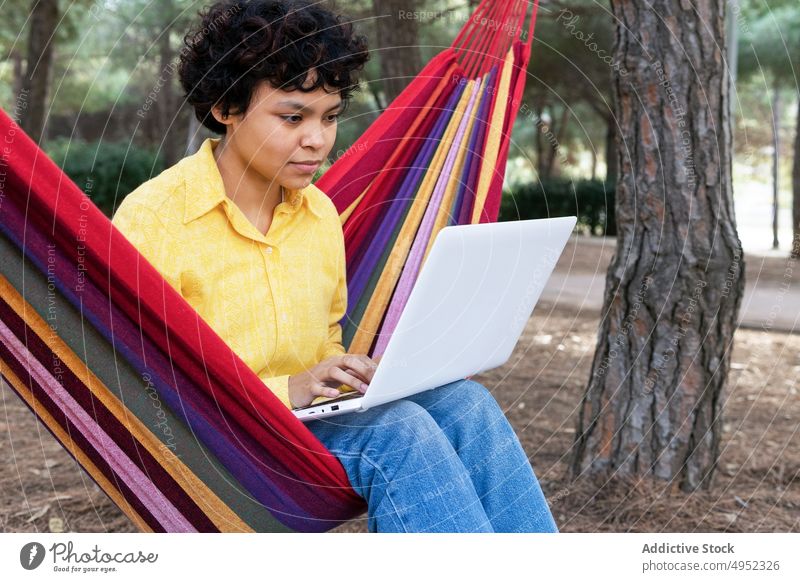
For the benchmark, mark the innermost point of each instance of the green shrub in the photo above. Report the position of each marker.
(592, 201)
(105, 171)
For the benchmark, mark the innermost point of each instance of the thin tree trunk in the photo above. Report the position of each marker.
(776, 160)
(652, 405)
(16, 59)
(167, 111)
(398, 39)
(541, 161)
(556, 144)
(36, 82)
(795, 251)
(380, 105)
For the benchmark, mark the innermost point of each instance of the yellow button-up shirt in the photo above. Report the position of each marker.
(275, 299)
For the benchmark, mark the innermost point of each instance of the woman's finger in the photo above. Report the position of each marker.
(365, 367)
(323, 390)
(350, 363)
(358, 374)
(340, 375)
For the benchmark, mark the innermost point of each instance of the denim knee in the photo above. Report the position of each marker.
(406, 424)
(469, 396)
(475, 392)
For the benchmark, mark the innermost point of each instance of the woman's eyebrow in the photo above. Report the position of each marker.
(302, 107)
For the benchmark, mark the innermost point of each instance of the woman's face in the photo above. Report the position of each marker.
(281, 129)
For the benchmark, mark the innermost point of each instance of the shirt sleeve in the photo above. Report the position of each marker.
(333, 345)
(144, 230)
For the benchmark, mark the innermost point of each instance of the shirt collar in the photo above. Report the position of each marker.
(205, 189)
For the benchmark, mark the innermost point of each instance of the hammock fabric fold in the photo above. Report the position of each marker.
(147, 398)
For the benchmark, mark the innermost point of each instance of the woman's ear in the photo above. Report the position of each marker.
(216, 111)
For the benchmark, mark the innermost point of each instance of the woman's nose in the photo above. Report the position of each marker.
(314, 138)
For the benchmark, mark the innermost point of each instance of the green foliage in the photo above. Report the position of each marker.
(107, 52)
(97, 90)
(105, 171)
(770, 42)
(592, 201)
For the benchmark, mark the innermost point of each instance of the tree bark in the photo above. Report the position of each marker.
(380, 104)
(652, 407)
(36, 82)
(16, 59)
(776, 162)
(795, 250)
(398, 45)
(166, 104)
(548, 141)
(556, 147)
(538, 142)
(611, 149)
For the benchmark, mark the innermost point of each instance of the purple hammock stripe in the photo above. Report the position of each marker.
(158, 505)
(479, 152)
(363, 271)
(465, 215)
(117, 429)
(422, 240)
(466, 194)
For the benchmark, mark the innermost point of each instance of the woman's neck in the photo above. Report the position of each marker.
(254, 195)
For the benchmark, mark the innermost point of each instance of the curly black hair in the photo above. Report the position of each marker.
(239, 44)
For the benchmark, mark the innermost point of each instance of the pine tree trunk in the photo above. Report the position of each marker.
(16, 59)
(398, 42)
(776, 162)
(556, 145)
(168, 120)
(795, 251)
(653, 403)
(538, 141)
(36, 83)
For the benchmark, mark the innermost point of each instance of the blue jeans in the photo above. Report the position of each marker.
(444, 460)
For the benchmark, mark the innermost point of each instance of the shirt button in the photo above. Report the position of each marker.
(269, 250)
(283, 317)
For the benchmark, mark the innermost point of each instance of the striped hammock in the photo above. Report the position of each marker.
(147, 398)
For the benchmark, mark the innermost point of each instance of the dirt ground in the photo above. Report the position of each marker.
(756, 488)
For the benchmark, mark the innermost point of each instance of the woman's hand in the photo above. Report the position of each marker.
(354, 370)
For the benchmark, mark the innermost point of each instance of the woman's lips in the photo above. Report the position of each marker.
(306, 168)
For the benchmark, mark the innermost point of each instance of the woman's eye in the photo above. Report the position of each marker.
(293, 119)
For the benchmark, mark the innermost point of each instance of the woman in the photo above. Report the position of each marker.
(239, 230)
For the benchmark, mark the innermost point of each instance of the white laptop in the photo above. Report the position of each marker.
(466, 312)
